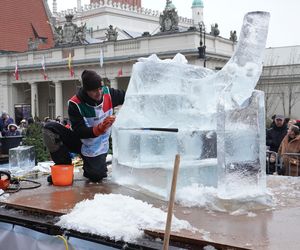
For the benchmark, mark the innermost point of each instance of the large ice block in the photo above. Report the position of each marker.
(21, 159)
(241, 147)
(219, 116)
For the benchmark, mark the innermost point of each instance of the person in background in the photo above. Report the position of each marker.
(5, 120)
(291, 122)
(30, 127)
(12, 130)
(47, 119)
(58, 119)
(291, 144)
(273, 121)
(276, 133)
(297, 123)
(287, 120)
(90, 114)
(30, 121)
(23, 127)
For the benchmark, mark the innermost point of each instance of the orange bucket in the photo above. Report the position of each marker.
(62, 175)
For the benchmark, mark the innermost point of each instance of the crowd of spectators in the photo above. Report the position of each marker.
(9, 128)
(283, 144)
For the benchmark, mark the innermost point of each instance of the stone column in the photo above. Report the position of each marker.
(34, 99)
(58, 99)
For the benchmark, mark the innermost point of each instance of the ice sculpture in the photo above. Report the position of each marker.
(219, 117)
(21, 159)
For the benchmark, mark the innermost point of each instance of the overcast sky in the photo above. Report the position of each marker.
(283, 29)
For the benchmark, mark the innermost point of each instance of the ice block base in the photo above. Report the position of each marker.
(157, 181)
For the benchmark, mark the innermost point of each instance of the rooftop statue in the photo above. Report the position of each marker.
(169, 19)
(70, 33)
(233, 36)
(112, 33)
(215, 30)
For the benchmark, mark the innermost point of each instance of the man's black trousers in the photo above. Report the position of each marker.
(61, 141)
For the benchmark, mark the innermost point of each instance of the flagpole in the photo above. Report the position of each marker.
(101, 61)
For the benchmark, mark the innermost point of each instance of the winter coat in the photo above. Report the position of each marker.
(11, 133)
(4, 123)
(77, 121)
(290, 162)
(275, 136)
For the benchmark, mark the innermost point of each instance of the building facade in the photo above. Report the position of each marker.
(45, 81)
(130, 20)
(280, 80)
(48, 97)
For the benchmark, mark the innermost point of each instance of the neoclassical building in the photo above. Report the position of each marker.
(45, 82)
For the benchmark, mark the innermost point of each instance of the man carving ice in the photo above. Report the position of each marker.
(90, 113)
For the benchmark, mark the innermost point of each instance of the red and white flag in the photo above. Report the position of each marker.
(120, 72)
(44, 68)
(17, 71)
(70, 66)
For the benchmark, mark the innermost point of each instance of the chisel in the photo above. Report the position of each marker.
(153, 129)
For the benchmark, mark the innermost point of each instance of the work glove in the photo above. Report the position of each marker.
(103, 126)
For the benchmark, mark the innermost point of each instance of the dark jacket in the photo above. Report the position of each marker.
(275, 136)
(11, 133)
(4, 123)
(76, 119)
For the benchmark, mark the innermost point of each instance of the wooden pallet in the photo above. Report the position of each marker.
(273, 229)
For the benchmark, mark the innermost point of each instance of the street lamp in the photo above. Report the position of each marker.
(202, 48)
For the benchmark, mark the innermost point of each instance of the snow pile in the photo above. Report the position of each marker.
(118, 217)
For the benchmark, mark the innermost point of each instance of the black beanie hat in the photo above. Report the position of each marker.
(91, 80)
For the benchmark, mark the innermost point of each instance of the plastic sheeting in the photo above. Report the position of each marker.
(13, 237)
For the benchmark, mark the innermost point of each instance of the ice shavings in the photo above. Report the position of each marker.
(285, 190)
(282, 191)
(118, 217)
(213, 199)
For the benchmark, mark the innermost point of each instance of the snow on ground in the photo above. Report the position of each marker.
(3, 196)
(122, 217)
(118, 217)
(282, 191)
(213, 199)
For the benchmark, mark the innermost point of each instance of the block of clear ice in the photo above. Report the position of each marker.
(21, 159)
(219, 116)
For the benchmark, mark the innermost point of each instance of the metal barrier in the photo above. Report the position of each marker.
(291, 163)
(273, 163)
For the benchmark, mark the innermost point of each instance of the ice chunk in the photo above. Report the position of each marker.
(21, 159)
(219, 116)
